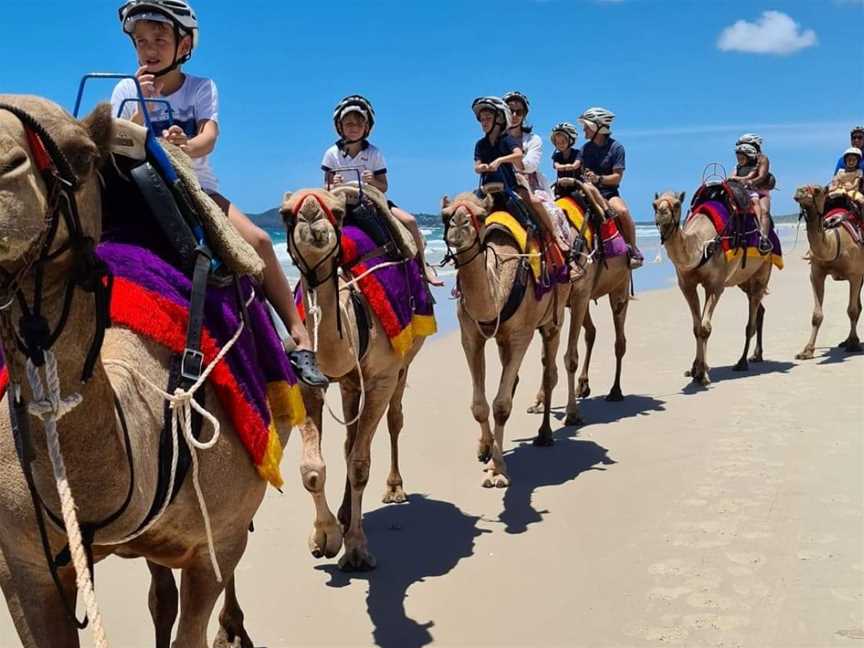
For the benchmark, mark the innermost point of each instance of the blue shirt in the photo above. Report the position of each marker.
(487, 152)
(573, 155)
(842, 165)
(604, 160)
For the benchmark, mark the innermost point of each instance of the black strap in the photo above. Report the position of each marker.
(514, 299)
(192, 362)
(364, 323)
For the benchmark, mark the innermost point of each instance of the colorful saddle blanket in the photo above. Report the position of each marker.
(613, 243)
(255, 383)
(397, 294)
(529, 245)
(718, 213)
(842, 217)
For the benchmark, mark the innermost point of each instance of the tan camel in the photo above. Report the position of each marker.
(833, 253)
(488, 266)
(91, 437)
(367, 395)
(610, 277)
(686, 247)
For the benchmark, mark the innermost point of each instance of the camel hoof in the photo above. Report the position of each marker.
(741, 365)
(394, 495)
(583, 390)
(496, 481)
(805, 355)
(536, 408)
(688, 374)
(853, 347)
(756, 357)
(543, 440)
(357, 560)
(573, 419)
(222, 641)
(615, 396)
(326, 538)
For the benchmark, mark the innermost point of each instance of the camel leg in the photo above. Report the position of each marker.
(691, 294)
(199, 589)
(378, 394)
(395, 494)
(163, 601)
(325, 539)
(754, 298)
(232, 633)
(537, 406)
(551, 335)
(817, 283)
(350, 407)
(619, 302)
(760, 321)
(584, 390)
(852, 344)
(712, 298)
(578, 312)
(473, 346)
(34, 603)
(511, 353)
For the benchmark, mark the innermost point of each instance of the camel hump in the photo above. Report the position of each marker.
(369, 209)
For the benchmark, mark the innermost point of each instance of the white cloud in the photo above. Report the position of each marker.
(773, 33)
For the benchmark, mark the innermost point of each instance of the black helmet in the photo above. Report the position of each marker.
(177, 13)
(354, 103)
(514, 95)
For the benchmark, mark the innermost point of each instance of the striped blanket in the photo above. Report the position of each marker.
(613, 243)
(254, 383)
(719, 215)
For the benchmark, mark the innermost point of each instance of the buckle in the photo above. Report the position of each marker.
(192, 364)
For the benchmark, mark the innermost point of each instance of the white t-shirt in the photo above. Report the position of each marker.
(368, 159)
(532, 151)
(195, 101)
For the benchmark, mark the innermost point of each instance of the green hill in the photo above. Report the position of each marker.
(272, 219)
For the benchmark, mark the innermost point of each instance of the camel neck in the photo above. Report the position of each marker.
(822, 246)
(336, 346)
(484, 284)
(685, 246)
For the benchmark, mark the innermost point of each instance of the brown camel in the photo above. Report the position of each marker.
(379, 385)
(833, 253)
(609, 277)
(97, 465)
(488, 266)
(687, 248)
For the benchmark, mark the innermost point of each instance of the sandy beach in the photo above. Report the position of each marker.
(730, 516)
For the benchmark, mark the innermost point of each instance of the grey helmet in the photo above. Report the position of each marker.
(852, 150)
(354, 103)
(503, 116)
(856, 129)
(568, 129)
(599, 118)
(514, 95)
(747, 149)
(752, 139)
(180, 14)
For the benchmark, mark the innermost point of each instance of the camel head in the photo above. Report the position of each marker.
(667, 212)
(24, 201)
(313, 218)
(811, 198)
(463, 219)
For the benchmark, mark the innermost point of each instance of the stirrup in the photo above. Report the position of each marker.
(636, 258)
(765, 245)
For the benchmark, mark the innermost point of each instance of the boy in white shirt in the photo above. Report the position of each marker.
(354, 158)
(164, 33)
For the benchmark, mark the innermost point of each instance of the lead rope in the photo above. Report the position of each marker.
(49, 407)
(181, 403)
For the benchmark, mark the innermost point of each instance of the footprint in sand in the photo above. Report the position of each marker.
(714, 621)
(668, 593)
(752, 560)
(814, 555)
(709, 601)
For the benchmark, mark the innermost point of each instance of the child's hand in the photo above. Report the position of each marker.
(176, 136)
(493, 165)
(336, 179)
(482, 168)
(150, 85)
(368, 176)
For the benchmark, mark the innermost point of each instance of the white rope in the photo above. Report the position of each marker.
(181, 403)
(348, 283)
(362, 404)
(50, 408)
(315, 314)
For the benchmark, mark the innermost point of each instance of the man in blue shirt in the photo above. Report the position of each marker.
(603, 166)
(856, 137)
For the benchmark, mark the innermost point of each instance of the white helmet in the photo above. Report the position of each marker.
(752, 139)
(514, 95)
(852, 150)
(599, 118)
(568, 129)
(503, 116)
(856, 129)
(747, 149)
(175, 12)
(354, 103)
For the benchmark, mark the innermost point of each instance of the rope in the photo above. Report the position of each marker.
(181, 403)
(362, 404)
(50, 408)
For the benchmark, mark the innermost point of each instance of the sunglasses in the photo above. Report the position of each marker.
(518, 112)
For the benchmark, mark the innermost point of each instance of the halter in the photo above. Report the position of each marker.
(34, 335)
(475, 222)
(308, 271)
(676, 222)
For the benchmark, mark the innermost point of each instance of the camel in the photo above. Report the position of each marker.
(370, 385)
(699, 262)
(610, 277)
(98, 468)
(488, 265)
(837, 255)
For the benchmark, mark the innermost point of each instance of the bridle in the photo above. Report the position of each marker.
(476, 222)
(34, 335)
(676, 222)
(309, 271)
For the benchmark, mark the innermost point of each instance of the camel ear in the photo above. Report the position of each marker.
(656, 195)
(100, 128)
(681, 195)
(339, 207)
(445, 201)
(285, 210)
(488, 203)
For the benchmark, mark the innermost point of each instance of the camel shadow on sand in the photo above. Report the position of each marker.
(724, 374)
(424, 538)
(837, 354)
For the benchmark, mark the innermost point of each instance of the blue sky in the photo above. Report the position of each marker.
(679, 98)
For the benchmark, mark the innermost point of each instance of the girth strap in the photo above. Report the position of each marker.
(514, 299)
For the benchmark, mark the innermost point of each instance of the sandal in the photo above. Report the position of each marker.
(304, 365)
(765, 245)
